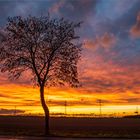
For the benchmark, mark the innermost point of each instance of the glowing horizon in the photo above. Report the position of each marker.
(26, 98)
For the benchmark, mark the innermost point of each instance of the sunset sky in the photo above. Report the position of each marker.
(108, 70)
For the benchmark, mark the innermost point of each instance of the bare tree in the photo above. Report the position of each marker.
(47, 47)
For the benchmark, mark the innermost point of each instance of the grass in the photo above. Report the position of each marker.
(71, 127)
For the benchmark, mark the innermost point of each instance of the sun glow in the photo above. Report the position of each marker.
(17, 98)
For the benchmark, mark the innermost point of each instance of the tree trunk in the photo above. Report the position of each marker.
(46, 110)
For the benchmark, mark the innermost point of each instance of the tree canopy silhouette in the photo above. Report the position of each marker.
(47, 47)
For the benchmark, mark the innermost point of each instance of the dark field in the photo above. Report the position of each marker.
(73, 127)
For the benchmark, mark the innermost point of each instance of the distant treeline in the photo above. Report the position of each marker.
(132, 116)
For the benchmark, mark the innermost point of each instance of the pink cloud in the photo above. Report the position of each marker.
(135, 29)
(55, 8)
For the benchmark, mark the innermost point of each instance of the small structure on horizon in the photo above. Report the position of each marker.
(137, 111)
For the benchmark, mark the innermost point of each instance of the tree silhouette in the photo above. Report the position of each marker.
(47, 47)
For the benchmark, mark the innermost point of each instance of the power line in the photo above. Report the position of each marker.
(65, 107)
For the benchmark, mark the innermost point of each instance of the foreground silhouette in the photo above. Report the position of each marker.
(71, 127)
(46, 47)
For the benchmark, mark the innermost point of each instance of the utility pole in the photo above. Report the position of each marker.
(15, 111)
(65, 107)
(100, 105)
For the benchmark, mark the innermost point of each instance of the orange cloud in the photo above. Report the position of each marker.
(78, 100)
(107, 40)
(135, 30)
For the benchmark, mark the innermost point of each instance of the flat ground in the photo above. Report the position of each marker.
(71, 127)
(56, 138)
